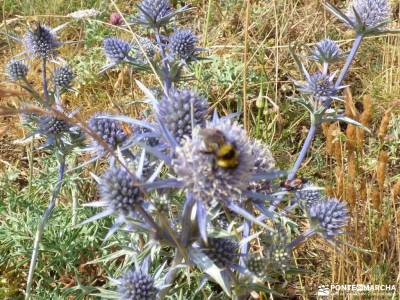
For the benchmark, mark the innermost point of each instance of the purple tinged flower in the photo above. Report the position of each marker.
(63, 76)
(149, 48)
(41, 42)
(328, 217)
(116, 50)
(16, 70)
(222, 251)
(155, 13)
(181, 111)
(326, 51)
(137, 285)
(110, 131)
(183, 43)
(121, 190)
(116, 19)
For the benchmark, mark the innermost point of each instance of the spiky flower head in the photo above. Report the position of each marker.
(137, 285)
(208, 177)
(183, 43)
(116, 19)
(369, 15)
(16, 70)
(321, 87)
(149, 48)
(181, 111)
(309, 194)
(256, 264)
(42, 42)
(326, 51)
(155, 13)
(328, 217)
(110, 131)
(279, 257)
(63, 76)
(50, 125)
(116, 50)
(222, 251)
(120, 189)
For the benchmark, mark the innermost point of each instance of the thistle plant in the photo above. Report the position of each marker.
(51, 122)
(194, 187)
(366, 18)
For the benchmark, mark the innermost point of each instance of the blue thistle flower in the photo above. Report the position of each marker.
(222, 251)
(50, 125)
(42, 42)
(63, 76)
(328, 217)
(256, 264)
(120, 189)
(366, 17)
(110, 131)
(16, 70)
(208, 182)
(183, 43)
(309, 195)
(149, 48)
(155, 13)
(321, 87)
(181, 111)
(137, 285)
(116, 50)
(326, 51)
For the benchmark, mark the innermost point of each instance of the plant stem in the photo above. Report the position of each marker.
(165, 71)
(303, 152)
(312, 131)
(44, 82)
(349, 59)
(41, 226)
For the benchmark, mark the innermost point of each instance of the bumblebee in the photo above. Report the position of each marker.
(226, 154)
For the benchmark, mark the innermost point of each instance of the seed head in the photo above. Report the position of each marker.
(328, 217)
(154, 13)
(176, 113)
(17, 70)
(121, 190)
(110, 131)
(41, 42)
(326, 51)
(222, 251)
(63, 77)
(136, 285)
(183, 43)
(116, 50)
(279, 257)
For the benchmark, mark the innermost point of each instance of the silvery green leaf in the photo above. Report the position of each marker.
(248, 216)
(208, 266)
(149, 95)
(338, 13)
(348, 121)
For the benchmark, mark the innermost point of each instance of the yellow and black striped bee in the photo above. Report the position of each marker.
(226, 154)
